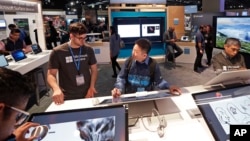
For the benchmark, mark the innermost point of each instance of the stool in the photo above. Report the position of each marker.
(34, 75)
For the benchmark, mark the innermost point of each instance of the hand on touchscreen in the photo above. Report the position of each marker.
(37, 133)
(21, 131)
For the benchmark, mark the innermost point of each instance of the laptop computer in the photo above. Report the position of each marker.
(19, 55)
(36, 48)
(95, 123)
(4, 63)
(229, 78)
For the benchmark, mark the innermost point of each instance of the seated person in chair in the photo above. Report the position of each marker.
(229, 59)
(170, 38)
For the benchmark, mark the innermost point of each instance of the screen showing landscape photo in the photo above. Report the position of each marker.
(237, 27)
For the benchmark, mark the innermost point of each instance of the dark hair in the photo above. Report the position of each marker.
(144, 44)
(114, 31)
(232, 41)
(201, 27)
(77, 28)
(15, 89)
(12, 26)
(15, 30)
(50, 23)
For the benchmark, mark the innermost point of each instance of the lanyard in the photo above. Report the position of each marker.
(77, 64)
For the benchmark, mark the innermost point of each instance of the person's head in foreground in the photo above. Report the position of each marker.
(15, 91)
(232, 47)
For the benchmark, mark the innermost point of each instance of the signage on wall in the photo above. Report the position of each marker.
(18, 6)
(138, 1)
(22, 24)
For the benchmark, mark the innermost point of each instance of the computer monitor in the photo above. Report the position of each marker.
(224, 107)
(106, 122)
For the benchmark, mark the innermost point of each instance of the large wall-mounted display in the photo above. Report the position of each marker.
(237, 27)
(131, 29)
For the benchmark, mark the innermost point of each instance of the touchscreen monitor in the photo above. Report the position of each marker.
(224, 107)
(106, 123)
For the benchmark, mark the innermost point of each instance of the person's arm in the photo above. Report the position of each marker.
(121, 81)
(217, 66)
(58, 96)
(199, 44)
(243, 64)
(92, 90)
(2, 49)
(26, 48)
(163, 84)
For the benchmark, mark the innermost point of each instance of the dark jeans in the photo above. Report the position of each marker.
(173, 51)
(198, 59)
(209, 52)
(115, 64)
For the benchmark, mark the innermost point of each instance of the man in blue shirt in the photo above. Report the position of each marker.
(199, 45)
(137, 77)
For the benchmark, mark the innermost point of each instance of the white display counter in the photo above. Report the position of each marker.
(180, 126)
(37, 61)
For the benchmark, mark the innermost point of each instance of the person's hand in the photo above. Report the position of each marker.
(58, 97)
(201, 51)
(116, 93)
(24, 129)
(91, 92)
(174, 90)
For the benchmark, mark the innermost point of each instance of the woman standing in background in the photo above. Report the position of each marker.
(208, 43)
(114, 49)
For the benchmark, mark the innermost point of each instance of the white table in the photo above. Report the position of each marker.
(25, 67)
(180, 126)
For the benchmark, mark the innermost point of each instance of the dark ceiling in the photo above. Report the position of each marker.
(102, 4)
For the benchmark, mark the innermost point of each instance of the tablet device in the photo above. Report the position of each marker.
(230, 77)
(18, 55)
(36, 48)
(3, 61)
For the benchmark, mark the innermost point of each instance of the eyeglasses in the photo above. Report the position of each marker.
(21, 117)
(81, 38)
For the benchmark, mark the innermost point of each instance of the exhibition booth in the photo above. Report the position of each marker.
(201, 112)
(27, 14)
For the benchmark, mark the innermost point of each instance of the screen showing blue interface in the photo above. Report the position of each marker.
(18, 55)
(224, 107)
